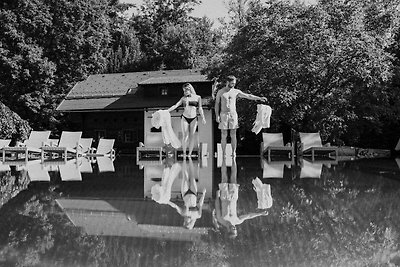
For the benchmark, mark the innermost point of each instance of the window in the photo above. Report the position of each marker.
(130, 136)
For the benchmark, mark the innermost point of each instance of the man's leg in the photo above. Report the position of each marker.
(224, 135)
(233, 142)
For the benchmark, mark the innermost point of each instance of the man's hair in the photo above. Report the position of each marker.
(231, 78)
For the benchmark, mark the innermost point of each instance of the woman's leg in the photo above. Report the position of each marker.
(185, 134)
(192, 131)
(185, 179)
(192, 177)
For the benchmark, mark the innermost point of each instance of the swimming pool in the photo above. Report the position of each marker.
(116, 213)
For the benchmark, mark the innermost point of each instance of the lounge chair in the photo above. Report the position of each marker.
(37, 172)
(70, 171)
(273, 143)
(4, 167)
(68, 144)
(311, 169)
(86, 145)
(105, 148)
(4, 143)
(105, 164)
(152, 147)
(32, 145)
(274, 169)
(311, 144)
(84, 165)
(397, 148)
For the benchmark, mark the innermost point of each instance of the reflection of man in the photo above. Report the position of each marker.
(225, 212)
(225, 111)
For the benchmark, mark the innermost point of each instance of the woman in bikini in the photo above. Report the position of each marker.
(192, 209)
(190, 102)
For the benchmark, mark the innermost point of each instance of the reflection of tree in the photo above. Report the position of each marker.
(347, 218)
(33, 228)
(11, 184)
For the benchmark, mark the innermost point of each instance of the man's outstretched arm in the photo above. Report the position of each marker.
(252, 97)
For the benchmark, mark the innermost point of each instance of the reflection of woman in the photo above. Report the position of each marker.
(191, 210)
(190, 101)
(225, 212)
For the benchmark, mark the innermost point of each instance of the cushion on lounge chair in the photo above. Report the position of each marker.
(69, 139)
(397, 148)
(86, 144)
(273, 139)
(4, 142)
(310, 140)
(37, 138)
(311, 170)
(105, 146)
(153, 140)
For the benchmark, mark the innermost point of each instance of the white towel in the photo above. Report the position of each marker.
(263, 191)
(162, 118)
(162, 193)
(263, 118)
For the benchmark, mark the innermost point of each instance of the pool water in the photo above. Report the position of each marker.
(102, 212)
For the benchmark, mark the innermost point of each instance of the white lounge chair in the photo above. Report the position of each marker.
(311, 145)
(397, 148)
(30, 146)
(311, 169)
(152, 147)
(37, 172)
(70, 171)
(68, 144)
(4, 143)
(273, 169)
(84, 165)
(105, 164)
(273, 143)
(105, 148)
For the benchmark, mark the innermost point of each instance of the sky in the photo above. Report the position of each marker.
(213, 9)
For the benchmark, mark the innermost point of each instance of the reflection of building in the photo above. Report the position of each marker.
(120, 105)
(131, 218)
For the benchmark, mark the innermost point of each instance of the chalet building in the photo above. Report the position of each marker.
(120, 105)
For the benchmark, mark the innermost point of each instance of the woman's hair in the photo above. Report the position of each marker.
(191, 88)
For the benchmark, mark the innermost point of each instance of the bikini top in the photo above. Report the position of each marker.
(191, 103)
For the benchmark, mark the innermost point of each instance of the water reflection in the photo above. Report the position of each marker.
(192, 207)
(126, 217)
(225, 214)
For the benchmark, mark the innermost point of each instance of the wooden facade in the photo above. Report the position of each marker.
(120, 106)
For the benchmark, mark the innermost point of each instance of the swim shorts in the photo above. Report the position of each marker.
(228, 121)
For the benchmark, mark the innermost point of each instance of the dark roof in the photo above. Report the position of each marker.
(117, 91)
(176, 79)
(127, 102)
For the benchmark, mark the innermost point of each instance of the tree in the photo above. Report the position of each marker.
(172, 39)
(46, 47)
(320, 66)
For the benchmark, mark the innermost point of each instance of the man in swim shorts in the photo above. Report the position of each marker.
(225, 111)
